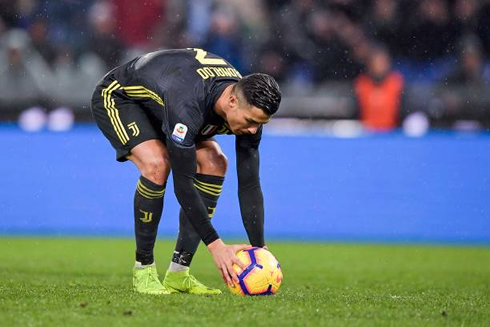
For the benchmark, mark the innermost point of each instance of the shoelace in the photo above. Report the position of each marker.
(151, 277)
(190, 280)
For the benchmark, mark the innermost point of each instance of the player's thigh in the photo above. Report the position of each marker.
(122, 121)
(210, 158)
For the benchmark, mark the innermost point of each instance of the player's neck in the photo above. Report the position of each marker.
(221, 105)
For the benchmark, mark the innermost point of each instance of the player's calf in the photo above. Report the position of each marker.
(151, 158)
(148, 207)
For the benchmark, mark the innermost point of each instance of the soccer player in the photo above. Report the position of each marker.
(161, 111)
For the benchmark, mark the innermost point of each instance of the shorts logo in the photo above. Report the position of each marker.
(134, 128)
(180, 130)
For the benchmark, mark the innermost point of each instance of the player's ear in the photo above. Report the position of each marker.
(233, 101)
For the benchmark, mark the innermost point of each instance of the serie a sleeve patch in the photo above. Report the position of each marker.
(179, 133)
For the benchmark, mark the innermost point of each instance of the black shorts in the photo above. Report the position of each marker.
(124, 121)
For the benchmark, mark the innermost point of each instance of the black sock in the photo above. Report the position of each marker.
(209, 188)
(148, 206)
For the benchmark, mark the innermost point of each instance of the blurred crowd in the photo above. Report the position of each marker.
(53, 52)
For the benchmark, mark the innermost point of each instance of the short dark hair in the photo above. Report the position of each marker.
(261, 91)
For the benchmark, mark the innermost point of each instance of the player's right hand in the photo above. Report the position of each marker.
(224, 257)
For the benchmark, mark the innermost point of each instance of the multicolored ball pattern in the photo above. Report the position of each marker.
(262, 275)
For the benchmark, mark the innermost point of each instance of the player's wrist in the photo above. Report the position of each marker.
(216, 245)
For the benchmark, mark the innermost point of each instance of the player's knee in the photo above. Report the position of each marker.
(216, 164)
(222, 163)
(156, 169)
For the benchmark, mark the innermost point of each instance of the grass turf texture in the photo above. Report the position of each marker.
(77, 282)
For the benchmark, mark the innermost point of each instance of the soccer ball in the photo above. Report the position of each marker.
(262, 275)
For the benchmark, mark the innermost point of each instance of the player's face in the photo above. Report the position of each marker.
(244, 118)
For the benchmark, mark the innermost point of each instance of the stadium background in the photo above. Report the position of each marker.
(326, 173)
(375, 171)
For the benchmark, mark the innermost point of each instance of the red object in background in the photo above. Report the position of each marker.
(136, 20)
(379, 101)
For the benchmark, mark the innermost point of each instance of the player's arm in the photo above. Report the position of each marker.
(249, 189)
(184, 165)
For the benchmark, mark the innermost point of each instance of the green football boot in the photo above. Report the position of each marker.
(145, 280)
(183, 282)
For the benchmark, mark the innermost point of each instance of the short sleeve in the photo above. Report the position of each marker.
(183, 123)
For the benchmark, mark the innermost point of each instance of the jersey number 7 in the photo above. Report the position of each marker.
(201, 57)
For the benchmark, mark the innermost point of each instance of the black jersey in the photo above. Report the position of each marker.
(181, 87)
(175, 91)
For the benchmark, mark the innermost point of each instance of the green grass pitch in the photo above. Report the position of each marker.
(87, 282)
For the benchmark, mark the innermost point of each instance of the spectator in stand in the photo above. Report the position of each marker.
(352, 35)
(302, 43)
(3, 28)
(430, 35)
(198, 24)
(67, 23)
(379, 92)
(103, 39)
(383, 23)
(465, 93)
(253, 20)
(333, 58)
(26, 77)
(224, 37)
(465, 16)
(136, 21)
(40, 40)
(284, 39)
(483, 26)
(471, 70)
(271, 61)
(8, 13)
